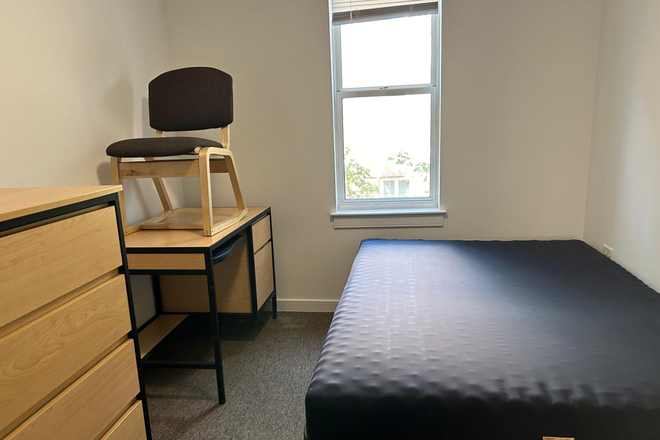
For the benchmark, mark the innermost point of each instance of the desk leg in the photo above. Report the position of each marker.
(158, 300)
(272, 246)
(215, 328)
(274, 304)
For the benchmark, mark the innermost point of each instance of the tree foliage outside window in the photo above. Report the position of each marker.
(403, 158)
(357, 185)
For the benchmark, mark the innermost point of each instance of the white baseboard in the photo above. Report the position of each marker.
(306, 305)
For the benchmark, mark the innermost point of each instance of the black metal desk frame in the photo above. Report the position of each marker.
(208, 253)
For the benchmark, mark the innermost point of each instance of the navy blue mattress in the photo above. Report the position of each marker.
(488, 340)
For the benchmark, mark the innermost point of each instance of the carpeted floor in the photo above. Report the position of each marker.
(267, 365)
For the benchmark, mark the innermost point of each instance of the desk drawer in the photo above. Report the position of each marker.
(41, 264)
(41, 358)
(130, 426)
(91, 404)
(263, 261)
(166, 261)
(261, 233)
(189, 293)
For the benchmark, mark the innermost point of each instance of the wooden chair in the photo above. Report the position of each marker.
(193, 98)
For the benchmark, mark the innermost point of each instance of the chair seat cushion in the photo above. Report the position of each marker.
(158, 147)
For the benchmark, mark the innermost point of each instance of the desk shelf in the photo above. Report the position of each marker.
(155, 332)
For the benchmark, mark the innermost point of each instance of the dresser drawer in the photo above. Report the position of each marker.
(130, 426)
(91, 404)
(261, 233)
(41, 264)
(43, 357)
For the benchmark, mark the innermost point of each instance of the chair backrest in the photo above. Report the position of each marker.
(192, 98)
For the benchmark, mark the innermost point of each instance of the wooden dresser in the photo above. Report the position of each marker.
(68, 348)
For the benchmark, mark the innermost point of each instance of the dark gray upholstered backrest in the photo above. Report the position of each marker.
(192, 98)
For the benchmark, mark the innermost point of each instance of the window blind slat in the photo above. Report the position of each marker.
(347, 11)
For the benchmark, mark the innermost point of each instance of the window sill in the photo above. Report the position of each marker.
(400, 218)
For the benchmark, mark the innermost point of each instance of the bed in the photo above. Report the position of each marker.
(488, 340)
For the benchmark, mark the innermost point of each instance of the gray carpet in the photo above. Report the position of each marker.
(267, 365)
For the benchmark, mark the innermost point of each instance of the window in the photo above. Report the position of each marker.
(386, 105)
(403, 187)
(388, 188)
(394, 187)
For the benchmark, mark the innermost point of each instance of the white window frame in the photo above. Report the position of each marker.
(388, 204)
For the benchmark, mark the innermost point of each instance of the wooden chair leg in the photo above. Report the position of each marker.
(160, 186)
(162, 191)
(233, 177)
(224, 133)
(205, 187)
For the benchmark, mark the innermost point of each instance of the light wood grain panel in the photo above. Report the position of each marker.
(53, 219)
(228, 221)
(224, 140)
(205, 190)
(190, 294)
(182, 218)
(41, 264)
(130, 426)
(192, 218)
(26, 319)
(161, 168)
(263, 261)
(167, 168)
(157, 331)
(261, 233)
(19, 202)
(87, 408)
(190, 238)
(166, 261)
(44, 356)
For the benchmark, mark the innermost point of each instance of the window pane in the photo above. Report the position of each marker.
(403, 188)
(385, 138)
(386, 52)
(388, 188)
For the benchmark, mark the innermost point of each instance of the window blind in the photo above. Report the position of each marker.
(348, 11)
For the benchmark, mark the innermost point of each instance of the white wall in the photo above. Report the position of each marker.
(518, 86)
(73, 80)
(623, 203)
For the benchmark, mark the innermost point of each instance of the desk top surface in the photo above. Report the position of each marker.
(175, 238)
(19, 202)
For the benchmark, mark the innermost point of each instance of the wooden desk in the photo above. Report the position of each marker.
(188, 278)
(68, 339)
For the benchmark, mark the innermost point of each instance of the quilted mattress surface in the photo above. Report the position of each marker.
(488, 340)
